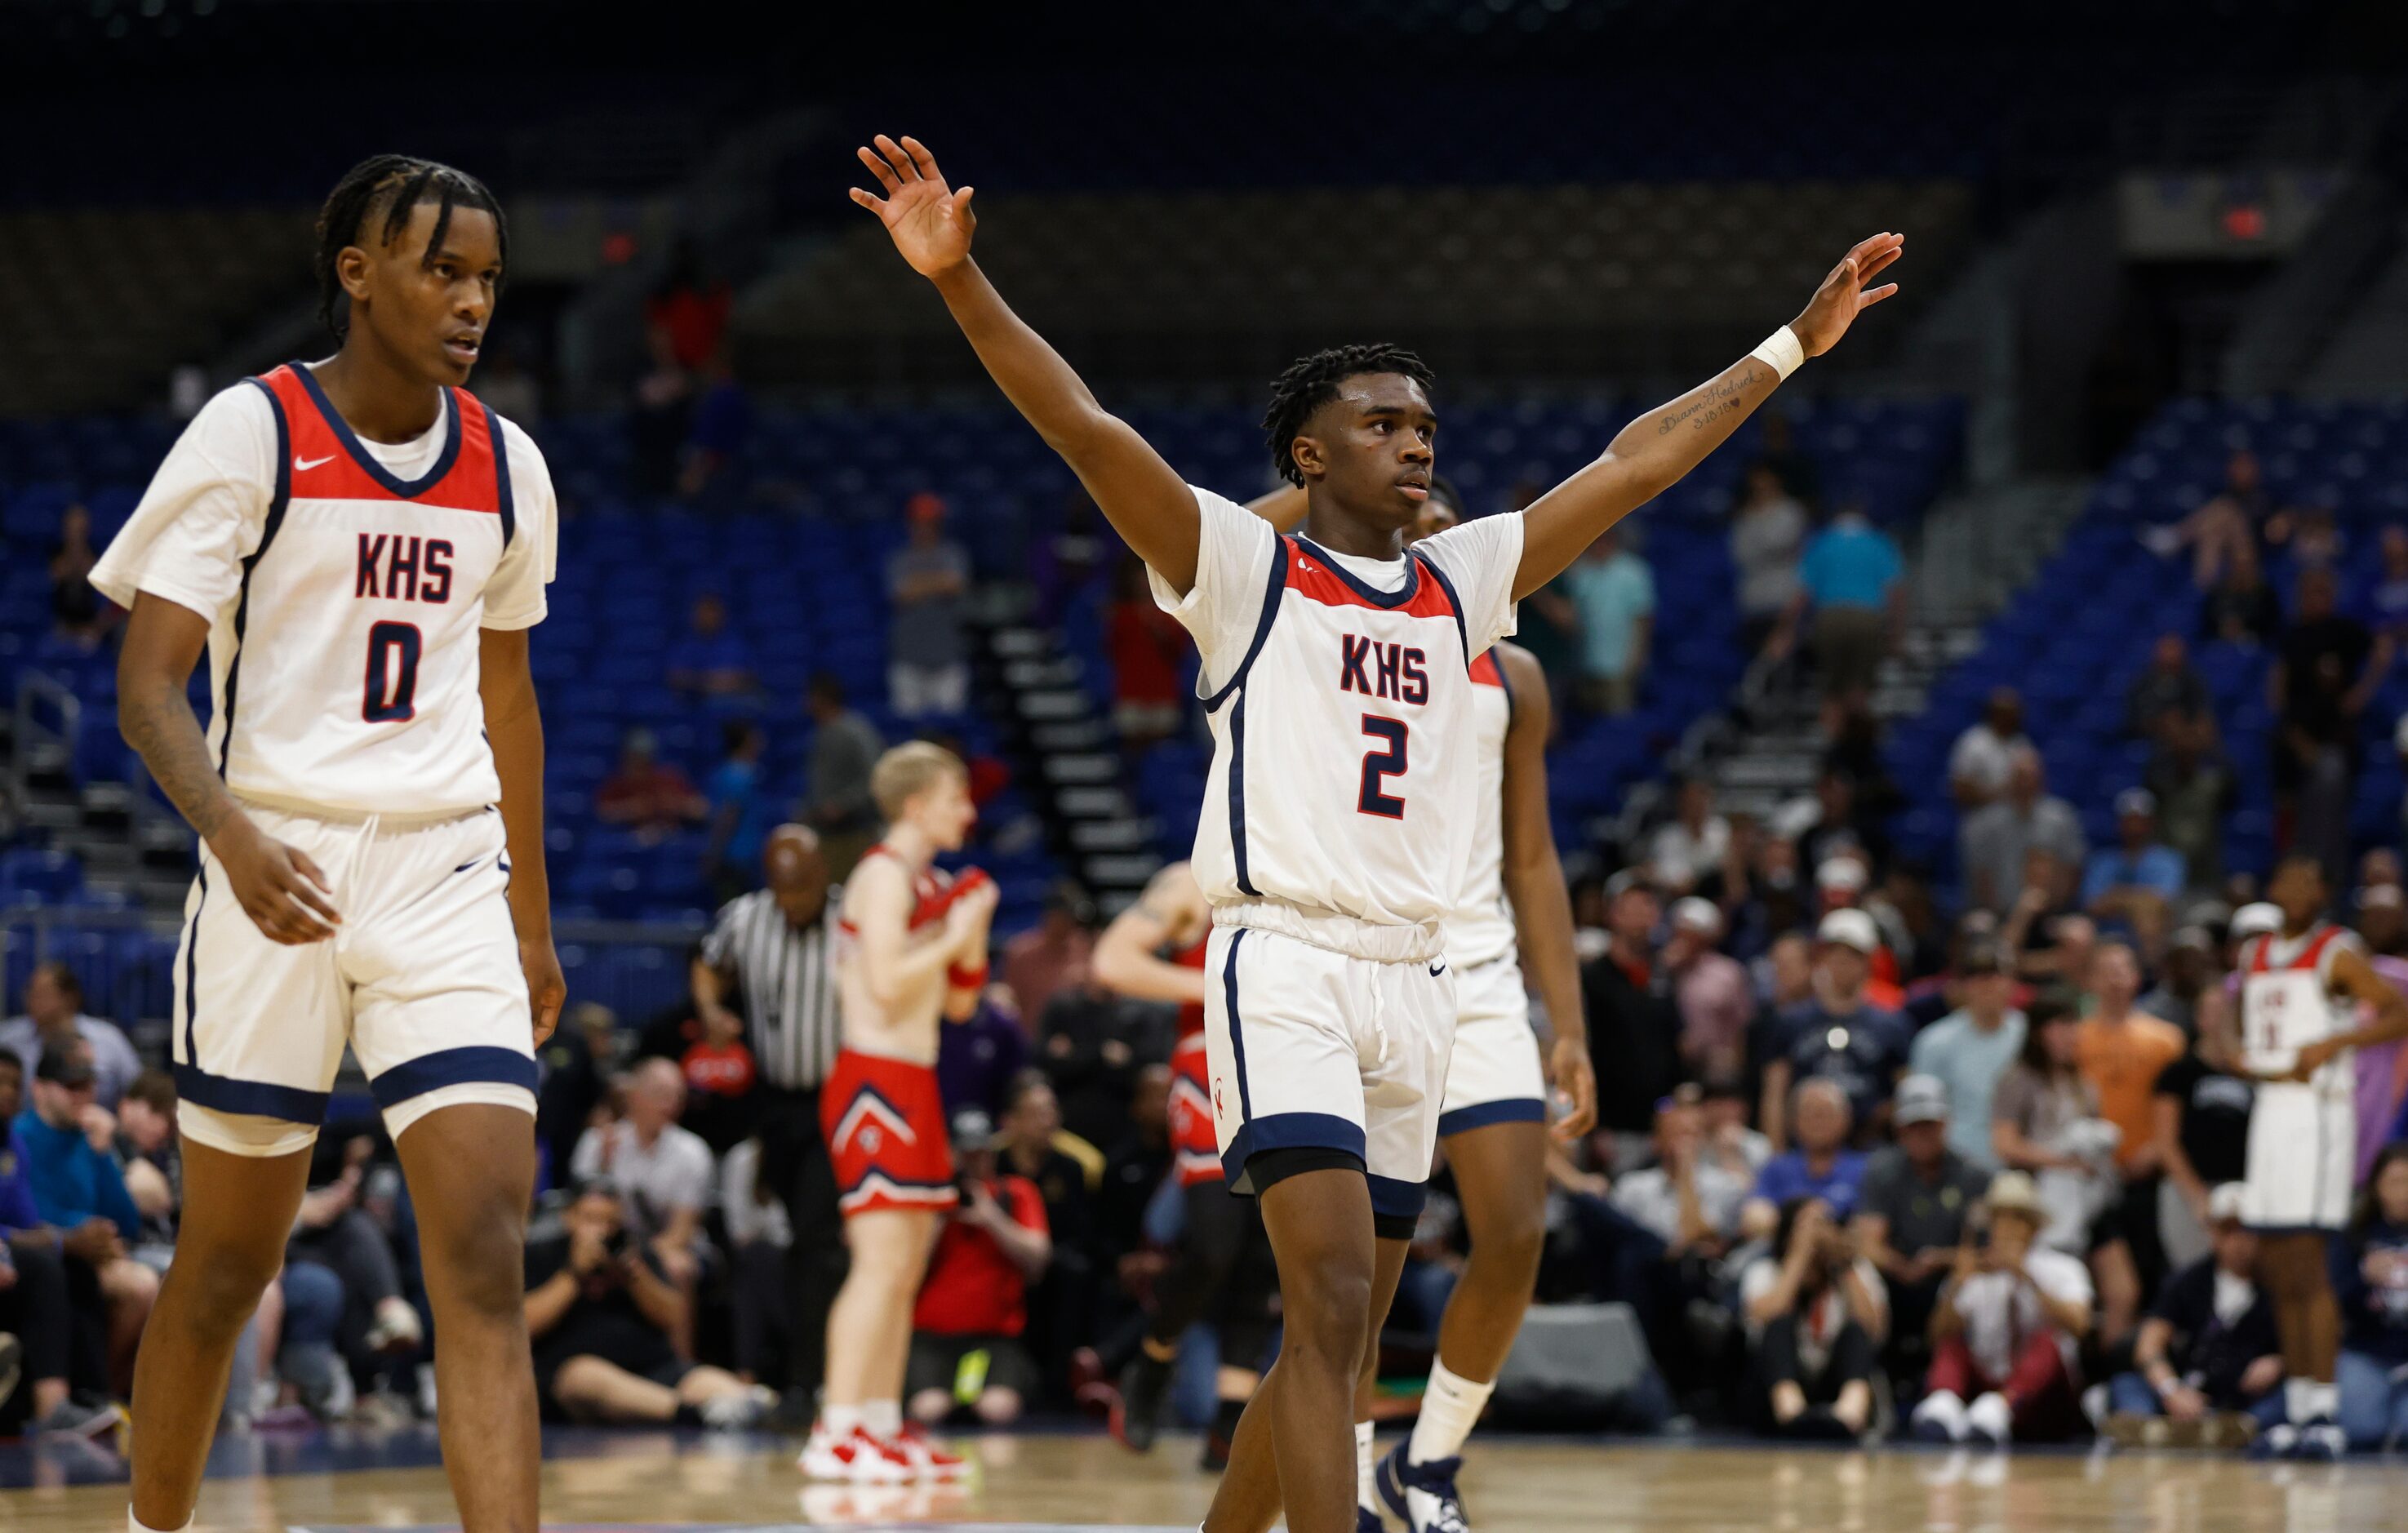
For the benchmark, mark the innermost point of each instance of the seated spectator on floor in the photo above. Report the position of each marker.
(377, 1330)
(1691, 1197)
(966, 1354)
(1690, 845)
(34, 1302)
(1983, 757)
(1066, 1169)
(1971, 1050)
(927, 580)
(1817, 1315)
(54, 1014)
(2005, 1332)
(1838, 1034)
(602, 1316)
(2207, 1367)
(2168, 687)
(661, 1172)
(1712, 991)
(153, 1162)
(2371, 1283)
(1820, 1167)
(1911, 1215)
(646, 794)
(1992, 841)
(2136, 880)
(710, 662)
(69, 1145)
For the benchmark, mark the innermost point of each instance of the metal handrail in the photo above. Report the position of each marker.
(31, 687)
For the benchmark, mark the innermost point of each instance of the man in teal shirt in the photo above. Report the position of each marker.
(1613, 592)
(80, 1192)
(1970, 1048)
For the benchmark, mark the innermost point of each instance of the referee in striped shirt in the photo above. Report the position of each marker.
(773, 949)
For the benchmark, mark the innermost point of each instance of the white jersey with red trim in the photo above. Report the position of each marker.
(2287, 1000)
(345, 585)
(1347, 763)
(1480, 930)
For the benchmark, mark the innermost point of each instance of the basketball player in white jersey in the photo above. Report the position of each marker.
(1336, 837)
(1514, 907)
(362, 546)
(2303, 989)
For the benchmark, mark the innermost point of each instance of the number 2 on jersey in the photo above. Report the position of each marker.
(390, 693)
(1377, 765)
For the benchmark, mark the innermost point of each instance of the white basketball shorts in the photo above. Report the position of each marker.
(2302, 1155)
(421, 978)
(1493, 1076)
(1312, 1048)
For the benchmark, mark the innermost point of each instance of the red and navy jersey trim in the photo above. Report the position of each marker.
(327, 460)
(281, 498)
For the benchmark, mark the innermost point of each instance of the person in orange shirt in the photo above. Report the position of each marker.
(2121, 1050)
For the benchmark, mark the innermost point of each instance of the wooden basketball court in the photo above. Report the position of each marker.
(614, 1481)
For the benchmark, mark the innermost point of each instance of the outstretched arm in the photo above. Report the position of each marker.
(1534, 883)
(1142, 496)
(1653, 452)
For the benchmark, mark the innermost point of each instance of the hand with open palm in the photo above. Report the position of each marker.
(1843, 294)
(931, 223)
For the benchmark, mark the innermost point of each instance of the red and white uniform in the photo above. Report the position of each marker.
(345, 584)
(2303, 1133)
(1194, 1149)
(1334, 842)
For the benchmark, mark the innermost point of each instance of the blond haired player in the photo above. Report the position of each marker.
(911, 949)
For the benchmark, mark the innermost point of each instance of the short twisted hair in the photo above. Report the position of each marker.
(1311, 382)
(392, 184)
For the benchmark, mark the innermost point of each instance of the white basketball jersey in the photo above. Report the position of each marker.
(1481, 929)
(344, 601)
(1346, 768)
(2287, 1000)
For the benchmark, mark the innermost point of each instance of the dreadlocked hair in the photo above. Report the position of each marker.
(1311, 382)
(393, 184)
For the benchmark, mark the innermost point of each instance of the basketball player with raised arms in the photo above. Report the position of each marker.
(361, 546)
(912, 949)
(1338, 824)
(2303, 991)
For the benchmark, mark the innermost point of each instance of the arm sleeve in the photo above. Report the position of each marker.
(1235, 549)
(586, 1158)
(1481, 558)
(721, 938)
(204, 513)
(515, 597)
(692, 1190)
(1026, 1205)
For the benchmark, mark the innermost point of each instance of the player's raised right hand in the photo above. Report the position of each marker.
(930, 222)
(284, 892)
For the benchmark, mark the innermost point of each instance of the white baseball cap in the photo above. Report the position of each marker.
(2254, 920)
(1840, 873)
(1850, 929)
(1698, 915)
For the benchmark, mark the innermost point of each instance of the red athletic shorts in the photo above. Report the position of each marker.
(1192, 1141)
(886, 1132)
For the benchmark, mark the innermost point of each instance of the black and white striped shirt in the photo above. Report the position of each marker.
(788, 979)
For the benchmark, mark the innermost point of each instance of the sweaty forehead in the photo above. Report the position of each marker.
(1366, 394)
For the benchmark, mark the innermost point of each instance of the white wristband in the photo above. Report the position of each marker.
(1780, 351)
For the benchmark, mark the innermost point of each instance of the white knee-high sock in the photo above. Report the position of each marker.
(1364, 1494)
(135, 1525)
(1450, 1408)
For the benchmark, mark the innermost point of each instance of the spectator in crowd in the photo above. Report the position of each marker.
(77, 613)
(1691, 1196)
(2228, 528)
(1710, 989)
(1723, 1106)
(1613, 592)
(981, 1056)
(1034, 1147)
(153, 1162)
(1818, 1316)
(1834, 821)
(1852, 575)
(1855, 748)
(741, 814)
(928, 581)
(2045, 1122)
(2183, 978)
(2005, 1330)
(603, 1318)
(967, 1352)
(2136, 880)
(2196, 789)
(1692, 843)
(1820, 1167)
(1058, 951)
(710, 662)
(1969, 1051)
(2241, 609)
(2200, 1122)
(2169, 686)
(661, 1172)
(2370, 1282)
(758, 1241)
(1148, 653)
(1838, 1034)
(54, 1017)
(646, 794)
(1633, 1017)
(36, 1305)
(1983, 758)
(1766, 536)
(1993, 840)
(581, 1055)
(2122, 1050)
(1911, 1215)
(377, 1329)
(836, 802)
(70, 1144)
(2207, 1366)
(2327, 673)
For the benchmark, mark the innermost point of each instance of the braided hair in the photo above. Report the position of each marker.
(393, 184)
(1311, 382)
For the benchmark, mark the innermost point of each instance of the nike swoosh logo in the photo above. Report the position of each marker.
(302, 465)
(1437, 969)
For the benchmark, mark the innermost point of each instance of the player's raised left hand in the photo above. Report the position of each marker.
(1575, 1077)
(930, 222)
(1843, 294)
(547, 987)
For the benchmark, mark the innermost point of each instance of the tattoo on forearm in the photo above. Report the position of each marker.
(1715, 401)
(165, 733)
